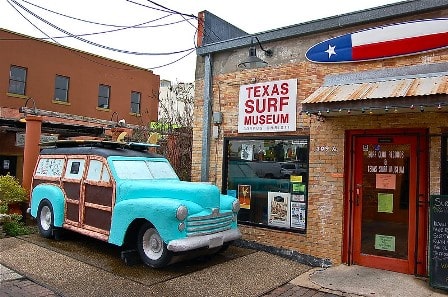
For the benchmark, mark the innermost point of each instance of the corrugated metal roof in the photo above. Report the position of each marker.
(391, 88)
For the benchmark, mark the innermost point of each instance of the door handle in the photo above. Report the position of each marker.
(358, 192)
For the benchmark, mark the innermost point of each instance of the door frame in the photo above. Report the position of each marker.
(422, 193)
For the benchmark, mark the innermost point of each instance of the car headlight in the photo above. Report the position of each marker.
(182, 213)
(236, 206)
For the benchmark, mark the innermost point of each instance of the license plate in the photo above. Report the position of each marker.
(215, 242)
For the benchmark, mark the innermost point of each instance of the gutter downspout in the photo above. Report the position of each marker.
(208, 82)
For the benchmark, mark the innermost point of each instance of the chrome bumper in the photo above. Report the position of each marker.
(209, 241)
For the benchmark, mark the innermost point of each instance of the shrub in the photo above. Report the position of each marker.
(10, 192)
(14, 226)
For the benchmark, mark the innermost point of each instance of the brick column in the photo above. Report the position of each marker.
(31, 149)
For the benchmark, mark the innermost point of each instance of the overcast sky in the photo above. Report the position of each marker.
(156, 31)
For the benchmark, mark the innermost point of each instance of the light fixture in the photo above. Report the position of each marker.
(25, 110)
(113, 122)
(253, 61)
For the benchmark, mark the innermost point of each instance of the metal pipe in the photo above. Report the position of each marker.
(208, 92)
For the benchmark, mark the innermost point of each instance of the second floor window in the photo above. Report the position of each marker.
(135, 102)
(17, 80)
(103, 96)
(61, 88)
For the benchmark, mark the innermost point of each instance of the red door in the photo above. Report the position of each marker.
(387, 230)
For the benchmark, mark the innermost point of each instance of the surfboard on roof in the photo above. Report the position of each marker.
(383, 42)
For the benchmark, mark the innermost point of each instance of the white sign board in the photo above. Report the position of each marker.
(44, 138)
(268, 107)
(279, 209)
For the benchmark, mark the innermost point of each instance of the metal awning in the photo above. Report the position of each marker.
(400, 94)
(63, 129)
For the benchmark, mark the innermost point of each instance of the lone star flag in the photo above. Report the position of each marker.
(382, 42)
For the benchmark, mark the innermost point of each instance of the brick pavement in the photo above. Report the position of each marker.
(13, 284)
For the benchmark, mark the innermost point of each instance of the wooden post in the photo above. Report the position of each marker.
(31, 149)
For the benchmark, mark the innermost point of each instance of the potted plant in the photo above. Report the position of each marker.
(12, 196)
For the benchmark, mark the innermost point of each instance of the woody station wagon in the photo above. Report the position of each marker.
(123, 194)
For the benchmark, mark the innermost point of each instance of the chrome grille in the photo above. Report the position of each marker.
(213, 223)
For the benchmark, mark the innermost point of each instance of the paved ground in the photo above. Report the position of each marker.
(15, 285)
(31, 266)
(75, 267)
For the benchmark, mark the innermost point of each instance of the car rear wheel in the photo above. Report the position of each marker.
(152, 249)
(45, 219)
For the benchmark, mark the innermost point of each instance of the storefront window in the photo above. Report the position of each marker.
(269, 176)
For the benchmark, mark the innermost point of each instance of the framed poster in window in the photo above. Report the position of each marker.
(244, 195)
(279, 209)
(298, 215)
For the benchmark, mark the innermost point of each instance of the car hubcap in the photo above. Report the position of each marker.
(152, 244)
(45, 218)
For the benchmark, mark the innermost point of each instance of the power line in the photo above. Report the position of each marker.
(94, 43)
(121, 27)
(171, 10)
(163, 10)
(137, 26)
(31, 22)
(75, 18)
(186, 17)
(170, 63)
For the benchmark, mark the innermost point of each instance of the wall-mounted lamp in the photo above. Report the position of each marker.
(25, 110)
(253, 61)
(112, 117)
(115, 122)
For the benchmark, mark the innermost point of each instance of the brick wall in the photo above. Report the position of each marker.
(324, 234)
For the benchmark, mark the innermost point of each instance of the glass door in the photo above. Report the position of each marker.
(385, 202)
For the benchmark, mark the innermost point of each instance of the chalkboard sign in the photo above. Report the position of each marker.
(438, 241)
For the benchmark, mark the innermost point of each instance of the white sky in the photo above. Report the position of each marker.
(250, 16)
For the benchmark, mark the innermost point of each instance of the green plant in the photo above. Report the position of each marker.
(10, 192)
(14, 226)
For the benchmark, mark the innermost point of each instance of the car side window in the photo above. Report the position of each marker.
(105, 177)
(49, 167)
(74, 169)
(97, 171)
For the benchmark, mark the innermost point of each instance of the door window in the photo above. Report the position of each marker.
(385, 200)
(97, 171)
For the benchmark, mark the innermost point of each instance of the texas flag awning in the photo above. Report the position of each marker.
(382, 42)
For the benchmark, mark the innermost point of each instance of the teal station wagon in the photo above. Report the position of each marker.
(123, 194)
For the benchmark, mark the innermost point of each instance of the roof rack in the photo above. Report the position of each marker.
(137, 146)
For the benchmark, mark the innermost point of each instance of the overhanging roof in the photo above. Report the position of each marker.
(406, 87)
(66, 130)
(423, 91)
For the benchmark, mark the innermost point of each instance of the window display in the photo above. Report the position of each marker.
(269, 177)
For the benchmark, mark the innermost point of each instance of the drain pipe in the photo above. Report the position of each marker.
(208, 83)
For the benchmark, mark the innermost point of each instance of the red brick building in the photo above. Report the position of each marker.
(332, 162)
(73, 92)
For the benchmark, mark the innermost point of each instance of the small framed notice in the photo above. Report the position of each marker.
(385, 202)
(386, 181)
(385, 242)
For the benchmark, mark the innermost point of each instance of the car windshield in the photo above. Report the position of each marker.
(144, 169)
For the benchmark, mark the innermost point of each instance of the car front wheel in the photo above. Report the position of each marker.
(45, 219)
(152, 249)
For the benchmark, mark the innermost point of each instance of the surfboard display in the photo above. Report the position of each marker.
(382, 42)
